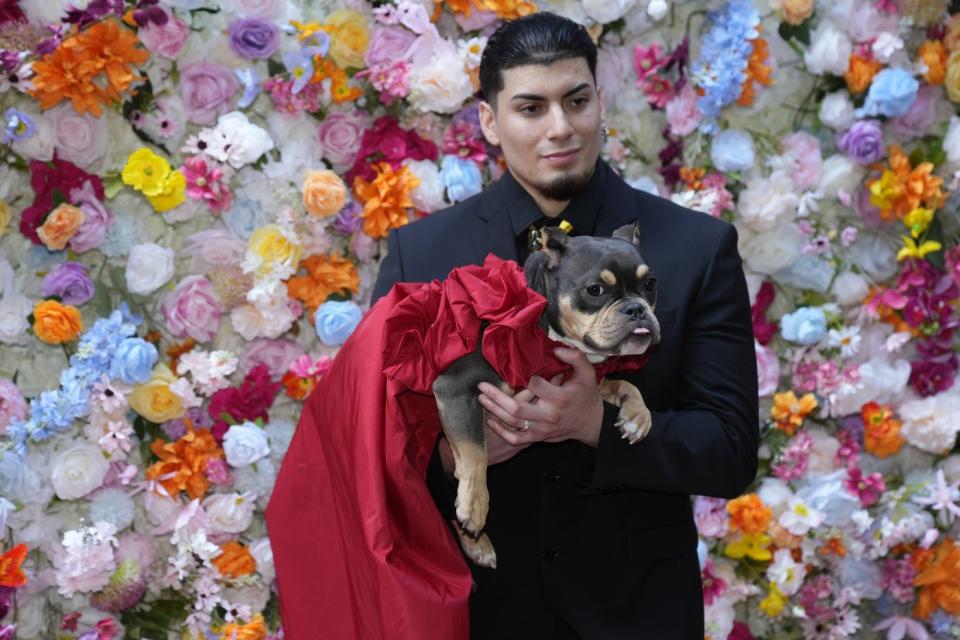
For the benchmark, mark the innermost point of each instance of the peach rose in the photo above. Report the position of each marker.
(796, 11)
(60, 226)
(324, 193)
(56, 323)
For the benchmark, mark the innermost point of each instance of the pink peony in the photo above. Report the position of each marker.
(768, 370)
(207, 90)
(12, 405)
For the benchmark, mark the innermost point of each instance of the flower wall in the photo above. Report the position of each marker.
(193, 202)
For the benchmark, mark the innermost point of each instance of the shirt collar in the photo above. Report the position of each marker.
(581, 212)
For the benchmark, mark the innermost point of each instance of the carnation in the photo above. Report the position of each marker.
(209, 369)
(113, 506)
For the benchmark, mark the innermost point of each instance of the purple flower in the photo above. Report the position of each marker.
(863, 141)
(12, 407)
(70, 282)
(254, 37)
(348, 219)
(920, 116)
(17, 126)
(97, 220)
(930, 378)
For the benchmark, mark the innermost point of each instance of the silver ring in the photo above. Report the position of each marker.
(524, 425)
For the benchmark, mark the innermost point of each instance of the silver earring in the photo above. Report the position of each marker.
(604, 130)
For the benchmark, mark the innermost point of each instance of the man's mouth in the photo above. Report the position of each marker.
(561, 157)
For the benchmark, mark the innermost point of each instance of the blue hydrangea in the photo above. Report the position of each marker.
(806, 325)
(891, 94)
(461, 178)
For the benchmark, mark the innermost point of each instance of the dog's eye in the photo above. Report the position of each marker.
(595, 290)
(650, 284)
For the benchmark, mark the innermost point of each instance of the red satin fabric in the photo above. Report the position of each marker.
(358, 544)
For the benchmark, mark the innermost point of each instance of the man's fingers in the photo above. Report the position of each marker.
(525, 395)
(508, 409)
(509, 435)
(577, 359)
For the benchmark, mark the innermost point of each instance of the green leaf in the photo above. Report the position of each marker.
(275, 68)
(112, 187)
(58, 198)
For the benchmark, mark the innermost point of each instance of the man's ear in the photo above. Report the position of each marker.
(630, 233)
(488, 123)
(553, 243)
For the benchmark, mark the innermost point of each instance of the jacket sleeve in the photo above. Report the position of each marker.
(391, 268)
(708, 445)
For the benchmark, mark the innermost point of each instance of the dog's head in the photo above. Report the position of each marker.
(600, 292)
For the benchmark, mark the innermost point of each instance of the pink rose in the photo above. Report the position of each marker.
(920, 116)
(388, 45)
(81, 139)
(768, 370)
(339, 136)
(802, 158)
(207, 89)
(277, 355)
(165, 40)
(192, 309)
(710, 516)
(12, 405)
(683, 115)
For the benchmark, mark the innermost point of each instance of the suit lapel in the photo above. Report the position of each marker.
(492, 231)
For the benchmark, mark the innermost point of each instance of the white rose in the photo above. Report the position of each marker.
(14, 309)
(837, 110)
(771, 251)
(839, 173)
(951, 143)
(850, 288)
(247, 141)
(767, 203)
(149, 267)
(657, 10)
(886, 45)
(262, 554)
(228, 512)
(160, 509)
(245, 444)
(78, 470)
(830, 51)
(441, 85)
(428, 195)
(81, 139)
(40, 145)
(606, 11)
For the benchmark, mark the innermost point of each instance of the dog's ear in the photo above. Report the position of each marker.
(535, 271)
(630, 233)
(553, 243)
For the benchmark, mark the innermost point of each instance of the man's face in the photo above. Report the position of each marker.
(547, 123)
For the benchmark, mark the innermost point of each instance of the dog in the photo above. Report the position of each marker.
(601, 296)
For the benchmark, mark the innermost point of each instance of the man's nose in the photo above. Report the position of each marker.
(559, 125)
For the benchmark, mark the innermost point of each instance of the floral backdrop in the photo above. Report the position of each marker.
(193, 202)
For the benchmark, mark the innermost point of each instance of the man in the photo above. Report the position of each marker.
(595, 538)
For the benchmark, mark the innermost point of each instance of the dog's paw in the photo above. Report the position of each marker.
(479, 550)
(473, 502)
(634, 423)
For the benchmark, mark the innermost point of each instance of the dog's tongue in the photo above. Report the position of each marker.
(641, 331)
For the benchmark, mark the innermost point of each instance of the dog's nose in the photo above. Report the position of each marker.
(633, 309)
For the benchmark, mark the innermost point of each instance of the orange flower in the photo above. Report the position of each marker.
(253, 630)
(60, 226)
(183, 463)
(833, 546)
(463, 7)
(881, 435)
(749, 514)
(90, 68)
(11, 573)
(790, 412)
(56, 323)
(860, 73)
(938, 576)
(902, 188)
(757, 72)
(692, 177)
(327, 274)
(508, 9)
(235, 561)
(386, 199)
(933, 55)
(296, 387)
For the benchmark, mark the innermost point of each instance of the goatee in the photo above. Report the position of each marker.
(566, 187)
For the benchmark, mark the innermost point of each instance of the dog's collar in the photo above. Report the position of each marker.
(592, 356)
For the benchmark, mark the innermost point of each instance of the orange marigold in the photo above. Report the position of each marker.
(881, 436)
(902, 188)
(235, 561)
(758, 71)
(749, 514)
(789, 412)
(933, 55)
(183, 464)
(860, 73)
(938, 576)
(91, 68)
(386, 200)
(253, 630)
(326, 275)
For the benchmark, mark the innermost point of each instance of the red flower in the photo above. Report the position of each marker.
(763, 329)
(385, 141)
(48, 178)
(250, 401)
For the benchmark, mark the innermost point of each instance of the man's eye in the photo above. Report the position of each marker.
(595, 290)
(579, 101)
(530, 109)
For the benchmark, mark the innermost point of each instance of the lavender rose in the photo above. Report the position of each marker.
(920, 116)
(192, 309)
(254, 38)
(70, 282)
(207, 89)
(388, 45)
(863, 141)
(96, 222)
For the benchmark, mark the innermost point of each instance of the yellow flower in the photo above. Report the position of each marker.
(349, 37)
(755, 546)
(952, 81)
(885, 191)
(911, 250)
(774, 603)
(275, 248)
(146, 172)
(154, 400)
(4, 217)
(918, 220)
(174, 192)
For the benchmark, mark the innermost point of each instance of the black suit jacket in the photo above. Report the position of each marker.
(605, 537)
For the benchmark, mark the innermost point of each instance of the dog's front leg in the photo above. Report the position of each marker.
(634, 419)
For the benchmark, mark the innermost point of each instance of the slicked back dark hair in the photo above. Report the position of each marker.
(539, 38)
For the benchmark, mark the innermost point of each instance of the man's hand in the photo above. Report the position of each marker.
(547, 411)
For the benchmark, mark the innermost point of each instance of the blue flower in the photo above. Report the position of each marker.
(336, 321)
(461, 178)
(17, 126)
(891, 94)
(732, 150)
(251, 86)
(299, 65)
(244, 217)
(806, 325)
(133, 361)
